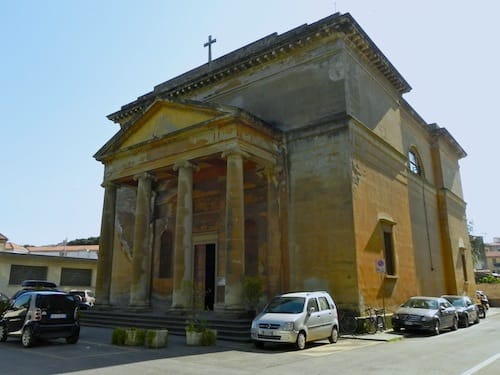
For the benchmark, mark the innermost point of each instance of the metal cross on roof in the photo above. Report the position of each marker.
(209, 45)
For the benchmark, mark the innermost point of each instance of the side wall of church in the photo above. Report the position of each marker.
(380, 204)
(321, 238)
(424, 210)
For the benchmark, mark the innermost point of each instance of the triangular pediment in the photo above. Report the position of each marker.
(162, 118)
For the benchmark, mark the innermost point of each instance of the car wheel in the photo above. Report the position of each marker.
(301, 340)
(334, 336)
(72, 339)
(3, 333)
(258, 344)
(436, 329)
(454, 326)
(27, 338)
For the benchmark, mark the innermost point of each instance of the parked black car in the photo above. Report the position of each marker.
(425, 314)
(41, 314)
(467, 310)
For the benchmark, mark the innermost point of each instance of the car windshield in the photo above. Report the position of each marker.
(420, 303)
(286, 305)
(458, 302)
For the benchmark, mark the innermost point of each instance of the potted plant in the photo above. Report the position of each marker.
(194, 331)
(135, 336)
(197, 333)
(156, 338)
(118, 336)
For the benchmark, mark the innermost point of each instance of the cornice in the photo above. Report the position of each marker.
(269, 48)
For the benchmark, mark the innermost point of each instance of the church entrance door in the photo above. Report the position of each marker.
(204, 276)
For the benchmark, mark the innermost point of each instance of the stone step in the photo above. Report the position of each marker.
(228, 327)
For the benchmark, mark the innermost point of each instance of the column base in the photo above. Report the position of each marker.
(139, 307)
(103, 306)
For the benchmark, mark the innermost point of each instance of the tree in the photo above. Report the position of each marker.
(477, 246)
(84, 241)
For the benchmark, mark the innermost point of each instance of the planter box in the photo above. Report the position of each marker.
(193, 338)
(134, 337)
(156, 338)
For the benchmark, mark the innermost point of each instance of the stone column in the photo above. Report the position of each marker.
(141, 253)
(273, 233)
(105, 258)
(235, 229)
(183, 241)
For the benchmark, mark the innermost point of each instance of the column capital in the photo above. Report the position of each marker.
(185, 164)
(145, 176)
(109, 184)
(234, 151)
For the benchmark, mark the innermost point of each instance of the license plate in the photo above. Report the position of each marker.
(57, 316)
(267, 332)
(409, 323)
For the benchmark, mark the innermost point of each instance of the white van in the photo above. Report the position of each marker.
(297, 318)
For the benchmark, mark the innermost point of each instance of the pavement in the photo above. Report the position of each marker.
(387, 336)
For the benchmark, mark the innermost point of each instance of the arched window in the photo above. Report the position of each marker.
(415, 164)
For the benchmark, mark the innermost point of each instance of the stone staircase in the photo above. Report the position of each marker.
(229, 327)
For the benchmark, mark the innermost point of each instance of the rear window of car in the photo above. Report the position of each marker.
(63, 302)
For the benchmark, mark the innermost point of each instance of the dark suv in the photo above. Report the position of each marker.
(29, 285)
(41, 314)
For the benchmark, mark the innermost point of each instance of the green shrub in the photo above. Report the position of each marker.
(208, 337)
(118, 336)
(252, 291)
(489, 279)
(196, 325)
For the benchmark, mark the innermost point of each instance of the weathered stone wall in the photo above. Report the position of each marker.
(321, 237)
(123, 245)
(293, 91)
(380, 198)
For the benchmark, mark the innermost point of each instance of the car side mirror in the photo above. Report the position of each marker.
(311, 310)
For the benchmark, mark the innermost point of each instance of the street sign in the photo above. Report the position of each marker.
(380, 266)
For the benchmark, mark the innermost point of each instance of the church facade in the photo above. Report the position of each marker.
(295, 160)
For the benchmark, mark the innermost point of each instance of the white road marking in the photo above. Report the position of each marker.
(479, 366)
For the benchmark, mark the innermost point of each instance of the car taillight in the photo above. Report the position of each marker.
(38, 314)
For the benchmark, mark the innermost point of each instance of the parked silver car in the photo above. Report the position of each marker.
(297, 318)
(467, 311)
(425, 314)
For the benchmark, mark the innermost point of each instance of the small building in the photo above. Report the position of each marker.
(295, 160)
(70, 267)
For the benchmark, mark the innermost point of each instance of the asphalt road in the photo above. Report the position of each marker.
(473, 350)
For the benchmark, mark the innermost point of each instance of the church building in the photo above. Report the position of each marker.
(295, 160)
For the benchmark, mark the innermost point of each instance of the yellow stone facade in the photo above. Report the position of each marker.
(287, 160)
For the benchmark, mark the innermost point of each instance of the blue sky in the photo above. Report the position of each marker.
(66, 65)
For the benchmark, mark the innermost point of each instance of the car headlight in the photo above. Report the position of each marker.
(288, 326)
